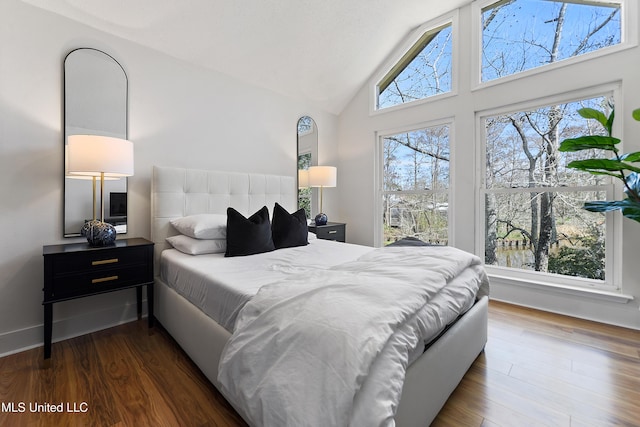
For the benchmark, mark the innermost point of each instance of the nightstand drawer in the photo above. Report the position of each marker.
(86, 262)
(330, 231)
(101, 280)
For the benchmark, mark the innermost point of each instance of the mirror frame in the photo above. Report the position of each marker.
(65, 74)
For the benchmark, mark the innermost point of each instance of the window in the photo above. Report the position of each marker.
(415, 185)
(533, 216)
(516, 73)
(424, 71)
(519, 35)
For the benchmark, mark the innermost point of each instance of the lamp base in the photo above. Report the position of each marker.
(99, 233)
(321, 219)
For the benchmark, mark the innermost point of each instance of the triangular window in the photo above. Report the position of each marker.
(424, 71)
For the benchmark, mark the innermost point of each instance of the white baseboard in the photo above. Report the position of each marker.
(583, 307)
(70, 327)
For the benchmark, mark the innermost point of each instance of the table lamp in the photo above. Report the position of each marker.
(99, 157)
(322, 176)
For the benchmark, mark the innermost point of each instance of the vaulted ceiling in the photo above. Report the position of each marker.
(322, 51)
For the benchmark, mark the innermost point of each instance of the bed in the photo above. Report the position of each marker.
(433, 372)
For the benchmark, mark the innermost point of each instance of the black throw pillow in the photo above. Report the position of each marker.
(248, 236)
(289, 230)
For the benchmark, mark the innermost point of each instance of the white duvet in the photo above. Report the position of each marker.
(330, 348)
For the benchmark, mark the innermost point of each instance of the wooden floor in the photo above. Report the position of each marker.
(538, 369)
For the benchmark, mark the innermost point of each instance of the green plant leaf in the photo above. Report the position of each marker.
(602, 206)
(632, 212)
(633, 183)
(631, 157)
(609, 125)
(596, 165)
(590, 113)
(629, 208)
(588, 142)
(595, 172)
(629, 166)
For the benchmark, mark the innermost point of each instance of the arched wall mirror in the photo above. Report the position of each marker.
(95, 103)
(307, 156)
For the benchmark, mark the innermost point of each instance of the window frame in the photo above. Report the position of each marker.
(405, 47)
(628, 40)
(379, 175)
(613, 228)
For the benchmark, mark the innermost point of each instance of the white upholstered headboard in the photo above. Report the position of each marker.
(178, 192)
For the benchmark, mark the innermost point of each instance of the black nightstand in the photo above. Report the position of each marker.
(78, 270)
(331, 231)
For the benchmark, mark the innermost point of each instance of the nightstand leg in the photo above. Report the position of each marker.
(139, 301)
(48, 327)
(150, 304)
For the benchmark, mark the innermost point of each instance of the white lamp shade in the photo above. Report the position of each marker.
(93, 155)
(303, 178)
(323, 176)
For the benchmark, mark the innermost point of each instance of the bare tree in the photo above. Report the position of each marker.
(539, 138)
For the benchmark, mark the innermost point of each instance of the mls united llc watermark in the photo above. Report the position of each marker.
(21, 407)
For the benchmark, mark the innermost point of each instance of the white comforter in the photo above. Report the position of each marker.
(331, 348)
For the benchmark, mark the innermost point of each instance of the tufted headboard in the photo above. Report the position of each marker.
(178, 192)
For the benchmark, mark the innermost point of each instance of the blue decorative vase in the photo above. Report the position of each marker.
(84, 231)
(321, 219)
(100, 233)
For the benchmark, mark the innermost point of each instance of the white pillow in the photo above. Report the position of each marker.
(312, 236)
(192, 246)
(202, 226)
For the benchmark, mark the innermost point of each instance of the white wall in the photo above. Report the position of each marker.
(357, 141)
(179, 115)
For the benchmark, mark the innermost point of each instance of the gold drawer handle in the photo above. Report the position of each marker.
(333, 231)
(105, 261)
(104, 279)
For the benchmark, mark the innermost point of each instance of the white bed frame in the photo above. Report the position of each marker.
(177, 192)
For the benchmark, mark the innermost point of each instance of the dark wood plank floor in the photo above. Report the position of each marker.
(542, 369)
(127, 375)
(538, 369)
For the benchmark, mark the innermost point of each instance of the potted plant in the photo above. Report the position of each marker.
(620, 166)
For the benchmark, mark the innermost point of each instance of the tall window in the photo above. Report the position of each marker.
(533, 212)
(425, 70)
(415, 193)
(518, 35)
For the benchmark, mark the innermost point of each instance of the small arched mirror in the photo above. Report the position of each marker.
(307, 156)
(95, 103)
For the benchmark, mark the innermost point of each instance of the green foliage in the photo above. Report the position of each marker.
(304, 200)
(586, 261)
(603, 166)
(619, 167)
(590, 141)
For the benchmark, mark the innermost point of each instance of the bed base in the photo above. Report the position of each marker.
(429, 382)
(177, 192)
